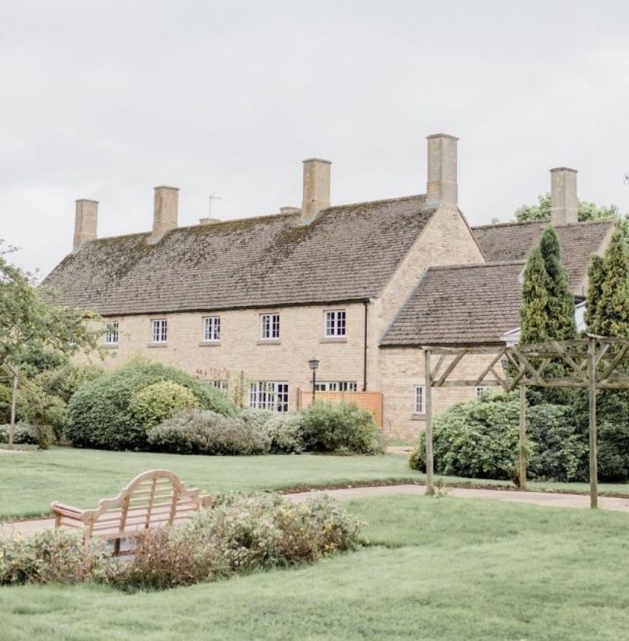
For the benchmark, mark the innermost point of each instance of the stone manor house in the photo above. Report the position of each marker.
(360, 287)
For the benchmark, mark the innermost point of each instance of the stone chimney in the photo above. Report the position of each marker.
(165, 211)
(316, 190)
(564, 204)
(442, 187)
(85, 222)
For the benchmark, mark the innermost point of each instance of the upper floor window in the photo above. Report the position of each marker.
(335, 323)
(111, 333)
(419, 399)
(212, 328)
(479, 391)
(160, 330)
(268, 395)
(270, 326)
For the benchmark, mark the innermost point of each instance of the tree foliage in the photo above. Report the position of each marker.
(31, 323)
(608, 291)
(547, 310)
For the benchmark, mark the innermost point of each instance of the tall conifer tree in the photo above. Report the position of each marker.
(533, 313)
(596, 275)
(612, 310)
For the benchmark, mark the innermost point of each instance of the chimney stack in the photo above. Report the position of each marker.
(564, 204)
(442, 187)
(165, 211)
(316, 190)
(85, 222)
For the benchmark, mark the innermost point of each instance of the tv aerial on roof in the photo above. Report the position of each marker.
(625, 178)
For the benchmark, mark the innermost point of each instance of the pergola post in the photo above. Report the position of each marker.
(593, 439)
(14, 373)
(523, 436)
(430, 484)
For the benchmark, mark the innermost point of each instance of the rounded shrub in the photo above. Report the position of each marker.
(100, 413)
(23, 434)
(155, 403)
(195, 431)
(341, 428)
(480, 439)
(286, 432)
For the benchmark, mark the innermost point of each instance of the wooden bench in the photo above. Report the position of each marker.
(152, 499)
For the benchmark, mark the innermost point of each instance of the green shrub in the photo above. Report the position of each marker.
(480, 439)
(257, 418)
(157, 402)
(23, 434)
(45, 412)
(239, 534)
(560, 450)
(477, 439)
(195, 431)
(52, 556)
(100, 416)
(286, 432)
(341, 428)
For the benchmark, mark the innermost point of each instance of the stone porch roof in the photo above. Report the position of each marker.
(514, 241)
(460, 305)
(348, 253)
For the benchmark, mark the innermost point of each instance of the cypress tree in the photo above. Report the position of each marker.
(560, 306)
(533, 313)
(612, 310)
(596, 275)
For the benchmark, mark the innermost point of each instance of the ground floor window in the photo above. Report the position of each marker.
(336, 386)
(419, 398)
(268, 395)
(479, 391)
(219, 384)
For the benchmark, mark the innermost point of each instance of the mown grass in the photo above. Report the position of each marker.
(31, 481)
(437, 569)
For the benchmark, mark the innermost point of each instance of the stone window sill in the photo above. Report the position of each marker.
(152, 345)
(418, 417)
(210, 344)
(269, 341)
(110, 346)
(334, 339)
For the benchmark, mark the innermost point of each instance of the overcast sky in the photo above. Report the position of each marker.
(107, 99)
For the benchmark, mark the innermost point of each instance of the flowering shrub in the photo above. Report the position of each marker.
(53, 556)
(24, 434)
(286, 432)
(195, 431)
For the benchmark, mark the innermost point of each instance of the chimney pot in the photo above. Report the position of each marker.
(288, 210)
(165, 211)
(564, 203)
(85, 222)
(442, 187)
(316, 188)
(209, 221)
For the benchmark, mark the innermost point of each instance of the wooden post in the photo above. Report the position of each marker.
(13, 405)
(523, 437)
(593, 444)
(430, 484)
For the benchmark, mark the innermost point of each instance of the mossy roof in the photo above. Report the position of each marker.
(514, 241)
(460, 305)
(347, 253)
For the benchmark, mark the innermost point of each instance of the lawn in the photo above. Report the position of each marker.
(436, 569)
(30, 481)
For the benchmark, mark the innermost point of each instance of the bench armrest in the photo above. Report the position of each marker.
(67, 511)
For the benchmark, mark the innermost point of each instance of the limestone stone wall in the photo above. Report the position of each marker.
(241, 348)
(401, 369)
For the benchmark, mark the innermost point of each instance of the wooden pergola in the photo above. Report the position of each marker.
(593, 363)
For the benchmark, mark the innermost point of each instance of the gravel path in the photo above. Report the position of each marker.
(24, 528)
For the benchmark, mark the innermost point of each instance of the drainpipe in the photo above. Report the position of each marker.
(366, 304)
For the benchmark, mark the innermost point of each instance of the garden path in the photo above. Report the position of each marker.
(553, 499)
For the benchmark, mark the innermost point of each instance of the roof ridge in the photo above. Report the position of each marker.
(544, 221)
(237, 220)
(377, 202)
(501, 263)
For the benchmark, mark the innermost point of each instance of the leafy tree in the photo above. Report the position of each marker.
(611, 316)
(586, 211)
